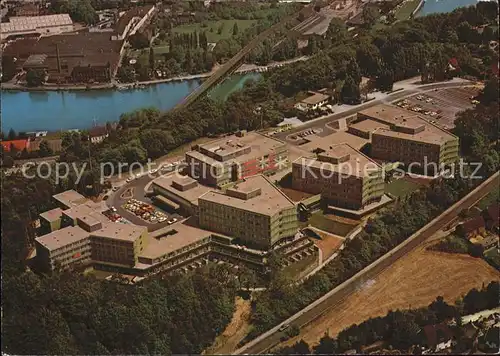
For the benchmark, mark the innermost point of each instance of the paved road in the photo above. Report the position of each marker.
(137, 186)
(271, 338)
(408, 90)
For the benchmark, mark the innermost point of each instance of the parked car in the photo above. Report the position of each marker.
(171, 221)
(284, 327)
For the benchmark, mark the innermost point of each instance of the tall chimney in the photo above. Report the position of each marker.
(58, 58)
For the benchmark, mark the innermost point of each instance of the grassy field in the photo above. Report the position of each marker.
(322, 222)
(404, 12)
(493, 256)
(412, 282)
(212, 27)
(299, 269)
(401, 187)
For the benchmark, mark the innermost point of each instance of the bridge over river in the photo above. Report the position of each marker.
(236, 61)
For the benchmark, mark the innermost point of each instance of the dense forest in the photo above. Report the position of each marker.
(401, 329)
(68, 313)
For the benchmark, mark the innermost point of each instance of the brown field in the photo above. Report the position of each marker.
(236, 330)
(412, 282)
(328, 244)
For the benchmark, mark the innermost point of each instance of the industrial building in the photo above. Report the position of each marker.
(83, 57)
(342, 175)
(235, 157)
(132, 20)
(254, 211)
(398, 135)
(46, 25)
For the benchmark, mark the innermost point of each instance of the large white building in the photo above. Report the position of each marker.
(45, 25)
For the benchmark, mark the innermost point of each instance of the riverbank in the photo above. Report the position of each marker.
(244, 69)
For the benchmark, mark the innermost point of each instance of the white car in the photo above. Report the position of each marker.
(129, 180)
(171, 221)
(284, 327)
(114, 189)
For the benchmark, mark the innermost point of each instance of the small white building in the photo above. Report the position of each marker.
(314, 101)
(98, 134)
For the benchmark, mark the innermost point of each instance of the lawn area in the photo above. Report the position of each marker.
(493, 257)
(401, 187)
(299, 269)
(404, 12)
(212, 27)
(489, 199)
(328, 224)
(142, 55)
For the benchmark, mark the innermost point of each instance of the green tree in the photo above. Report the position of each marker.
(35, 77)
(235, 29)
(326, 346)
(79, 10)
(9, 68)
(139, 40)
(370, 15)
(12, 134)
(350, 93)
(44, 149)
(151, 58)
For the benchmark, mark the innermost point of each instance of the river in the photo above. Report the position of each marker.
(440, 6)
(54, 111)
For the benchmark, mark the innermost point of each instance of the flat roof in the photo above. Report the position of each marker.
(392, 115)
(270, 200)
(260, 146)
(124, 20)
(70, 198)
(185, 235)
(120, 231)
(52, 215)
(326, 142)
(368, 125)
(357, 164)
(190, 195)
(62, 237)
(84, 210)
(429, 135)
(28, 23)
(315, 99)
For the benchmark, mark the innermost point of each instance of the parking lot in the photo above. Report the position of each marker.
(147, 212)
(440, 106)
(130, 202)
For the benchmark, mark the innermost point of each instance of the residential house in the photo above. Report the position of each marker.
(472, 227)
(314, 101)
(491, 216)
(98, 134)
(17, 145)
